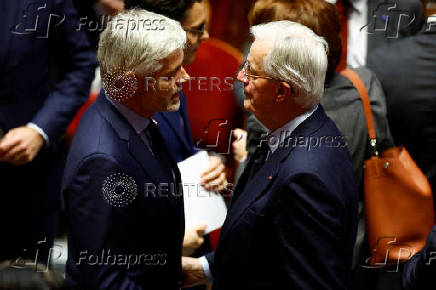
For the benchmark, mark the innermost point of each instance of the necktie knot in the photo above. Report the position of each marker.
(153, 135)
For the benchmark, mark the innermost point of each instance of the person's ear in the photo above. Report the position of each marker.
(284, 91)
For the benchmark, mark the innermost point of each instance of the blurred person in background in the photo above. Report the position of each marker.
(26, 275)
(407, 72)
(46, 69)
(369, 24)
(420, 271)
(94, 14)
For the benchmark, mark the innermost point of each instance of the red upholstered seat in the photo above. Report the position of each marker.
(71, 129)
(212, 108)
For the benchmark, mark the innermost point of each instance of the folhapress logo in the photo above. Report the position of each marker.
(119, 189)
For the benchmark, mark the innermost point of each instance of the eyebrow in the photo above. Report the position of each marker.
(203, 24)
(250, 67)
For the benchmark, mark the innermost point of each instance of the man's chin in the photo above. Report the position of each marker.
(189, 57)
(247, 106)
(174, 105)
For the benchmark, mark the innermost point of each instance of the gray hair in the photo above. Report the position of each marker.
(298, 56)
(136, 40)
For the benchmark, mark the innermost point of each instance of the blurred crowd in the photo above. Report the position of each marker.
(75, 108)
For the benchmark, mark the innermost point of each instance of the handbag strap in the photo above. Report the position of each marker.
(357, 82)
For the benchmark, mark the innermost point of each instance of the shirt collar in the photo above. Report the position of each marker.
(138, 122)
(278, 136)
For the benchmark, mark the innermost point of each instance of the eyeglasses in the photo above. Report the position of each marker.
(247, 74)
(196, 30)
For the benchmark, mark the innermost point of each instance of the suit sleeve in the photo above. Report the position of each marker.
(98, 227)
(184, 114)
(419, 272)
(309, 222)
(75, 60)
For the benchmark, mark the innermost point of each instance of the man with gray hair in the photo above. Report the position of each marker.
(120, 189)
(293, 218)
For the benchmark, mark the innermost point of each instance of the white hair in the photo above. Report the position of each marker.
(136, 40)
(298, 56)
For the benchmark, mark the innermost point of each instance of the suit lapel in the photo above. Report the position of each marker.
(249, 193)
(266, 176)
(136, 146)
(145, 158)
(171, 119)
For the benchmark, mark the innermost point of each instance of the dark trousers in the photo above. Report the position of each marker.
(30, 206)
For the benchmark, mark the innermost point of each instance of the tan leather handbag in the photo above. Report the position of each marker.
(398, 198)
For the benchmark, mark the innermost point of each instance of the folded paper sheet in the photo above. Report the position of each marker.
(201, 206)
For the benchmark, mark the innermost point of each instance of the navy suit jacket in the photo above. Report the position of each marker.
(293, 226)
(45, 76)
(112, 208)
(385, 25)
(420, 271)
(176, 131)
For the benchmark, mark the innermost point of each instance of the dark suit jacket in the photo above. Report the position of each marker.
(407, 72)
(176, 131)
(111, 206)
(45, 76)
(420, 271)
(387, 26)
(294, 225)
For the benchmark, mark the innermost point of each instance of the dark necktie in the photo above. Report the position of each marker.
(256, 161)
(158, 147)
(259, 157)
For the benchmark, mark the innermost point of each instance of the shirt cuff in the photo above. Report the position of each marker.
(243, 159)
(205, 264)
(40, 131)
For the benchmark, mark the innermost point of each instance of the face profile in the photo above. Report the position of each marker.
(194, 24)
(161, 91)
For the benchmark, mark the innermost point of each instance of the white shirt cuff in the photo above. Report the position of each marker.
(243, 159)
(40, 131)
(205, 264)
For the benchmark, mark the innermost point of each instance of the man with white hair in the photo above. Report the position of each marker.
(120, 189)
(293, 218)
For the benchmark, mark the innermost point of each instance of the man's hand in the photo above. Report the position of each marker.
(193, 272)
(20, 145)
(239, 146)
(193, 239)
(214, 177)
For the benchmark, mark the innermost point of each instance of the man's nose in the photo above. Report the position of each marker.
(184, 77)
(241, 76)
(204, 35)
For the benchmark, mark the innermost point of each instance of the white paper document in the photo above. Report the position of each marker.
(201, 206)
